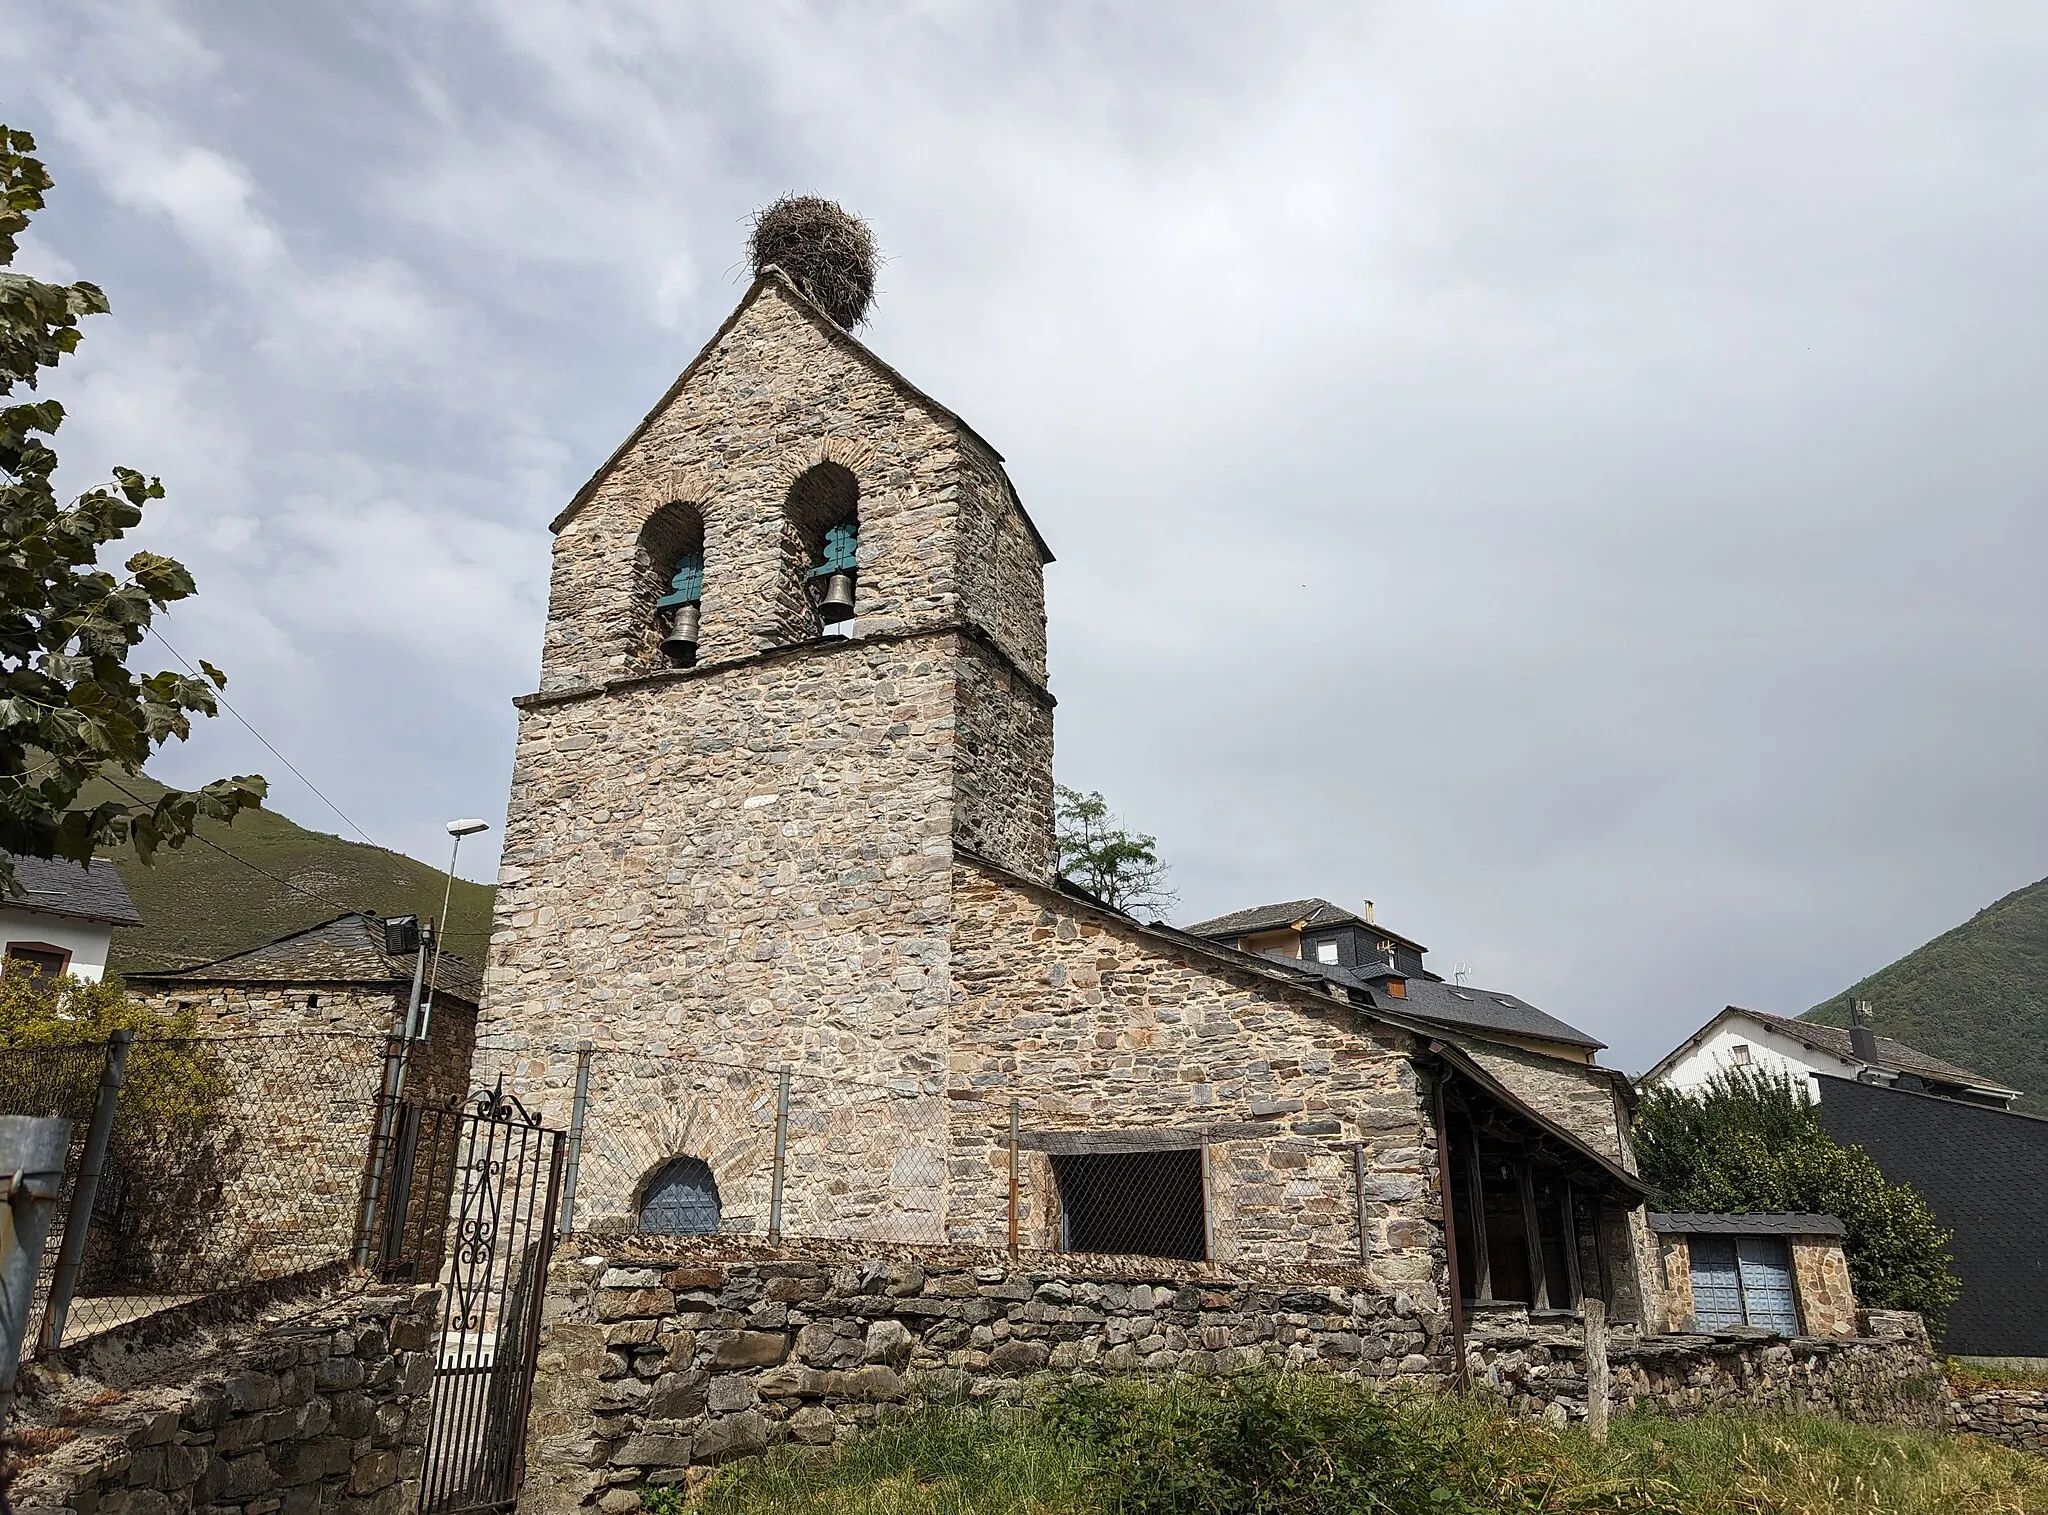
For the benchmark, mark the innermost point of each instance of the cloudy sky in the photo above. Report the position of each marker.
(1570, 473)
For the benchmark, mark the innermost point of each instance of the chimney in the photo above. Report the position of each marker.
(1368, 913)
(1862, 1040)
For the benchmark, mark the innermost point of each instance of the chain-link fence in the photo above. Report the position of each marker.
(228, 1161)
(688, 1146)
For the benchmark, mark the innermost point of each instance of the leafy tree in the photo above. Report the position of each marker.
(51, 1032)
(1118, 866)
(1751, 1141)
(70, 708)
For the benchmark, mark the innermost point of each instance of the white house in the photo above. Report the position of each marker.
(1739, 1038)
(61, 917)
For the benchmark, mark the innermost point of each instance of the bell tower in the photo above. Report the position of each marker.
(794, 659)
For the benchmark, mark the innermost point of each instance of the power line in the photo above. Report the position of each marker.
(266, 742)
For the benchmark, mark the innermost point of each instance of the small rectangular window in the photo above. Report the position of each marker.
(1743, 1281)
(1326, 952)
(50, 962)
(1739, 1054)
(1142, 1204)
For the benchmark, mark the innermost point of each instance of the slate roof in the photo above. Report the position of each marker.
(1893, 1055)
(1461, 1005)
(1310, 912)
(1984, 1173)
(57, 886)
(346, 950)
(1763, 1223)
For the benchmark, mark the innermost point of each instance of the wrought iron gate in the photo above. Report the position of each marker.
(468, 1198)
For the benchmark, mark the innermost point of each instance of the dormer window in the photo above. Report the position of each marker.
(1326, 952)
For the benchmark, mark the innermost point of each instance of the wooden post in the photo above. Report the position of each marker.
(1482, 1259)
(1539, 1292)
(1597, 1379)
(1453, 1285)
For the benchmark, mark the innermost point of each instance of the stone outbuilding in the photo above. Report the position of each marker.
(783, 800)
(1782, 1273)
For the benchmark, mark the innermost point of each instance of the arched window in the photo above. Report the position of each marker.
(681, 1199)
(669, 570)
(823, 538)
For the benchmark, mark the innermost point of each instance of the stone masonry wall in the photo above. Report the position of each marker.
(1002, 580)
(1093, 1025)
(669, 1354)
(323, 1413)
(1003, 731)
(1887, 1376)
(2016, 1417)
(777, 392)
(1821, 1283)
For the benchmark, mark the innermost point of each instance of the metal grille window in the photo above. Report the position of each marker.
(1144, 1204)
(681, 1200)
(1743, 1281)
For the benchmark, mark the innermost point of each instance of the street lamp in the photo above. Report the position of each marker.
(458, 830)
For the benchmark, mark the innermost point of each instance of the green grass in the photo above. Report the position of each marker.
(198, 904)
(1307, 1445)
(1976, 996)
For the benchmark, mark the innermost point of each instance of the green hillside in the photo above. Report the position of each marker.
(200, 903)
(1977, 995)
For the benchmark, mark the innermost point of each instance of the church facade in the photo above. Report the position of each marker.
(784, 801)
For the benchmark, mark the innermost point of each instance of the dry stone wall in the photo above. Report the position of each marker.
(2016, 1417)
(1887, 1375)
(670, 1355)
(323, 1413)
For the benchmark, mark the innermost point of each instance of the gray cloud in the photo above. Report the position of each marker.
(1568, 473)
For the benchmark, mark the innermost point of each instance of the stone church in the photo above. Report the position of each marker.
(783, 800)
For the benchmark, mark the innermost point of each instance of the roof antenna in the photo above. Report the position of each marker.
(1459, 974)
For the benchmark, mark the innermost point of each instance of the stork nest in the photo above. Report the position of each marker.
(827, 251)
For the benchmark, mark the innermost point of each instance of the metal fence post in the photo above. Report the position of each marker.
(1358, 1181)
(1013, 1180)
(577, 1109)
(32, 1152)
(781, 1149)
(78, 1224)
(1208, 1209)
(380, 1147)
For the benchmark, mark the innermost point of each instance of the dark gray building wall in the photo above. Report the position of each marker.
(1985, 1173)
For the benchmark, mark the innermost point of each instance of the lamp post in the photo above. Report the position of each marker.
(458, 830)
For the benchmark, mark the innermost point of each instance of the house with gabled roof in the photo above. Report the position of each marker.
(61, 917)
(1739, 1038)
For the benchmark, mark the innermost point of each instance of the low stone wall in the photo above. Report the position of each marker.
(2016, 1417)
(1887, 1375)
(667, 1354)
(322, 1412)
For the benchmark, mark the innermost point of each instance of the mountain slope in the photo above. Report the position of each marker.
(1977, 995)
(198, 902)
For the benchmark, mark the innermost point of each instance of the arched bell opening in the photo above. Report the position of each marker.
(669, 587)
(680, 1198)
(823, 538)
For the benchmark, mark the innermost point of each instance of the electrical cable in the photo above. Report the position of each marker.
(223, 699)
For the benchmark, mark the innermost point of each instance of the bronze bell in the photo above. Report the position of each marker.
(837, 605)
(680, 640)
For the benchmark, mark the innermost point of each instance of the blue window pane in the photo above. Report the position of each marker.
(1716, 1284)
(1766, 1271)
(681, 1200)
